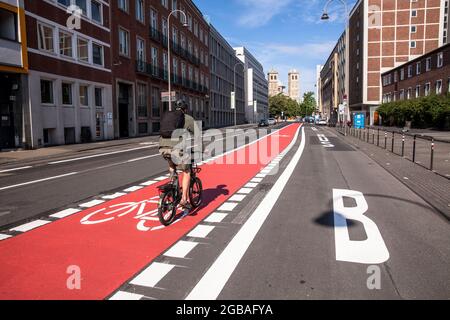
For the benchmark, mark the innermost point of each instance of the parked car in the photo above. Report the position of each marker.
(321, 122)
(263, 123)
(272, 121)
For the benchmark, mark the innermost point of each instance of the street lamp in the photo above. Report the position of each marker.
(233, 95)
(325, 16)
(185, 24)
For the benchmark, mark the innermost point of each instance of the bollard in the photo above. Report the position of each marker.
(392, 148)
(403, 145)
(385, 140)
(368, 134)
(378, 137)
(432, 154)
(414, 148)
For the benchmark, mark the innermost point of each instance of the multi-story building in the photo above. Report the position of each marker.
(257, 100)
(227, 75)
(383, 35)
(445, 22)
(333, 82)
(141, 32)
(273, 82)
(69, 81)
(14, 120)
(294, 85)
(318, 85)
(423, 76)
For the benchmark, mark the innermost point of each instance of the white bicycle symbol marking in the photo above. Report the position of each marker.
(141, 210)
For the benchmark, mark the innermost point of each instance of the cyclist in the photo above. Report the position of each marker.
(169, 147)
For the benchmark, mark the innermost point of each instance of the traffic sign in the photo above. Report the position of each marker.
(165, 96)
(233, 100)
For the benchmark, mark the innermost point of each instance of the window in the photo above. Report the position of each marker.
(96, 11)
(154, 22)
(408, 94)
(440, 59)
(402, 74)
(414, 13)
(47, 91)
(189, 22)
(439, 87)
(417, 91)
(413, 29)
(402, 94)
(155, 103)
(395, 77)
(196, 28)
(64, 2)
(428, 64)
(97, 54)
(98, 97)
(165, 65)
(84, 100)
(183, 73)
(123, 5)
(413, 45)
(418, 67)
(427, 89)
(142, 100)
(124, 41)
(165, 3)
(82, 4)
(155, 65)
(410, 71)
(175, 70)
(83, 52)
(66, 90)
(45, 37)
(140, 10)
(448, 85)
(175, 7)
(175, 36)
(65, 44)
(140, 50)
(165, 30)
(8, 25)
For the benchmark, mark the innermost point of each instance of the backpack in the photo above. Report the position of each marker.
(170, 122)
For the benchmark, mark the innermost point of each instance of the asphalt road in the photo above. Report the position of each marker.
(55, 183)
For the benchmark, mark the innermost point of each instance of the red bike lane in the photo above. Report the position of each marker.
(112, 242)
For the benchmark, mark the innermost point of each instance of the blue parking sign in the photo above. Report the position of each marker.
(359, 120)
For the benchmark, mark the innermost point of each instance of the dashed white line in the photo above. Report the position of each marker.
(91, 204)
(260, 175)
(228, 206)
(251, 185)
(216, 217)
(201, 231)
(149, 183)
(237, 197)
(161, 178)
(15, 169)
(31, 225)
(181, 249)
(126, 296)
(245, 190)
(114, 196)
(133, 189)
(257, 180)
(152, 275)
(65, 213)
(4, 236)
(36, 181)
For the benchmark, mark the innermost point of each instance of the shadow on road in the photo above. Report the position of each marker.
(209, 195)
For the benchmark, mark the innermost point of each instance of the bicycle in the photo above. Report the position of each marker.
(171, 194)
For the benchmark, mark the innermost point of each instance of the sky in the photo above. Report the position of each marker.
(281, 34)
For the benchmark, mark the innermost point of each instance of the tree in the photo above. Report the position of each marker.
(309, 105)
(281, 104)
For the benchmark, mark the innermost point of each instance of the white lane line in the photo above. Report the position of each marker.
(161, 178)
(91, 204)
(36, 181)
(4, 236)
(30, 226)
(16, 169)
(237, 197)
(228, 206)
(148, 183)
(126, 296)
(251, 185)
(266, 171)
(98, 155)
(142, 158)
(214, 280)
(256, 180)
(133, 189)
(114, 196)
(260, 175)
(152, 275)
(245, 190)
(201, 231)
(64, 213)
(181, 249)
(216, 217)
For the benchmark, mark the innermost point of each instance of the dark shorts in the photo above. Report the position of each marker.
(167, 155)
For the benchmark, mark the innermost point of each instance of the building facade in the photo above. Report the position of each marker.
(273, 82)
(294, 85)
(423, 76)
(227, 75)
(318, 85)
(140, 42)
(14, 120)
(69, 78)
(383, 35)
(257, 99)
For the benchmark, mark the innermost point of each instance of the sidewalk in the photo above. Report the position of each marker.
(433, 188)
(436, 134)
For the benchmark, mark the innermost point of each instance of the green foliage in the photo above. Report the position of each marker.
(281, 103)
(424, 112)
(309, 105)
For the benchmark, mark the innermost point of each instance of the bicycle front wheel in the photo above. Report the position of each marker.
(167, 208)
(195, 193)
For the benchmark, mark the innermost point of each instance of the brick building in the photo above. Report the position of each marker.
(140, 62)
(425, 75)
(383, 35)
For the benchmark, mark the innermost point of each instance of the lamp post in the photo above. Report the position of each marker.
(233, 95)
(325, 16)
(185, 24)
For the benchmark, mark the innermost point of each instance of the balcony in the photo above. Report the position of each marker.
(143, 67)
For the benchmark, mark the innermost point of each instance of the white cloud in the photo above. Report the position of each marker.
(260, 12)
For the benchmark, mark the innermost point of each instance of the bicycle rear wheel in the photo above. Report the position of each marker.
(195, 193)
(167, 208)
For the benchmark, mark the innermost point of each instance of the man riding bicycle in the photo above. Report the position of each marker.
(171, 147)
